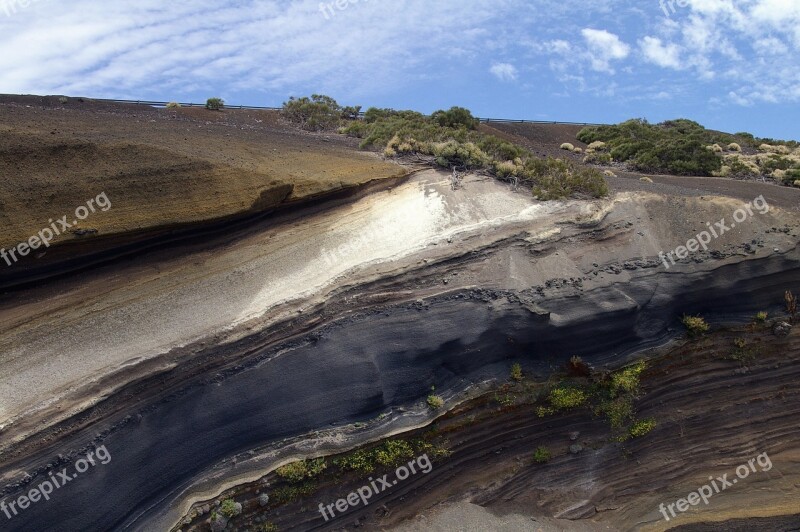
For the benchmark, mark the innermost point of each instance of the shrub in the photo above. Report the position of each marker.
(435, 402)
(645, 179)
(393, 452)
(317, 113)
(298, 471)
(797, 183)
(617, 410)
(577, 150)
(505, 169)
(455, 117)
(761, 317)
(541, 455)
(516, 372)
(627, 380)
(448, 138)
(564, 398)
(696, 325)
(173, 105)
(642, 427)
(215, 104)
(734, 147)
(609, 173)
(63, 100)
(229, 508)
(716, 148)
(597, 145)
(567, 146)
(389, 152)
(596, 157)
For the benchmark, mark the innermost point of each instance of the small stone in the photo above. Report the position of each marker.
(782, 329)
(574, 435)
(576, 448)
(263, 500)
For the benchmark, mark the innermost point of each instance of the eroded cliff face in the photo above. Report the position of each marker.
(334, 316)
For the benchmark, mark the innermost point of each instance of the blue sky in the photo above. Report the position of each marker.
(731, 65)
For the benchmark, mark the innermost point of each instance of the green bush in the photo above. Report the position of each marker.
(455, 117)
(435, 402)
(215, 104)
(298, 471)
(696, 325)
(627, 379)
(318, 113)
(642, 427)
(228, 508)
(562, 398)
(541, 455)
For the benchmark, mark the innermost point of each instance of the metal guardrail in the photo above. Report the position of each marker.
(257, 108)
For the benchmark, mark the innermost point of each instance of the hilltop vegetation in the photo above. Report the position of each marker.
(684, 147)
(448, 139)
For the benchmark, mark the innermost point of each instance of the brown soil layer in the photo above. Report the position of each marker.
(158, 168)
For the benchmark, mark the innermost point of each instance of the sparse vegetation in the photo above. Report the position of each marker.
(450, 139)
(563, 397)
(642, 427)
(541, 455)
(215, 104)
(627, 379)
(435, 402)
(302, 470)
(696, 325)
(229, 509)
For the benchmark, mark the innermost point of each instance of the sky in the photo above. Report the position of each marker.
(730, 65)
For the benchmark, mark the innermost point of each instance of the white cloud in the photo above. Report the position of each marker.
(504, 71)
(656, 52)
(604, 47)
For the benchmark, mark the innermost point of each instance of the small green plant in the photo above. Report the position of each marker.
(173, 105)
(506, 399)
(269, 527)
(228, 508)
(627, 380)
(435, 402)
(541, 455)
(696, 325)
(516, 372)
(562, 398)
(761, 317)
(642, 427)
(215, 104)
